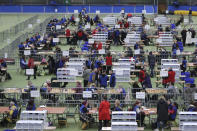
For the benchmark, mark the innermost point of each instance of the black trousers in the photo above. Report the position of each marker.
(68, 40)
(35, 70)
(85, 83)
(102, 123)
(108, 68)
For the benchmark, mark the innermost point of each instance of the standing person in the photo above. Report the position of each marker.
(86, 75)
(173, 111)
(112, 81)
(123, 12)
(189, 37)
(51, 65)
(92, 77)
(184, 64)
(193, 34)
(183, 34)
(79, 37)
(116, 37)
(68, 35)
(162, 113)
(31, 65)
(103, 78)
(108, 62)
(171, 76)
(151, 62)
(190, 16)
(104, 113)
(142, 76)
(147, 81)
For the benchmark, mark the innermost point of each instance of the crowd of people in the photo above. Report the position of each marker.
(98, 73)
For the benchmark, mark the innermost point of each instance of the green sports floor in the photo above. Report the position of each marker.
(19, 79)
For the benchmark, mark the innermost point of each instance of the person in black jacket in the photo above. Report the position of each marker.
(183, 34)
(193, 33)
(190, 16)
(151, 62)
(162, 113)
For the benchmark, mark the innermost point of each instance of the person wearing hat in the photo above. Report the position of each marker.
(104, 113)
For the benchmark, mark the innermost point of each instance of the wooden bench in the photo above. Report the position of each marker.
(182, 83)
(175, 129)
(109, 128)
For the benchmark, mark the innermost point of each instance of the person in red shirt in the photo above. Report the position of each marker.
(100, 46)
(104, 113)
(126, 24)
(80, 37)
(94, 31)
(31, 65)
(95, 45)
(120, 23)
(142, 76)
(68, 35)
(171, 76)
(108, 62)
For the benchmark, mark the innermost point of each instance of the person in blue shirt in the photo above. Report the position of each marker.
(184, 64)
(173, 26)
(140, 115)
(136, 46)
(117, 106)
(122, 93)
(180, 44)
(3, 63)
(147, 81)
(96, 19)
(23, 63)
(145, 38)
(92, 88)
(21, 46)
(103, 78)
(84, 116)
(98, 63)
(87, 19)
(112, 80)
(85, 46)
(61, 63)
(31, 105)
(30, 87)
(173, 111)
(116, 37)
(92, 76)
(175, 47)
(192, 108)
(37, 36)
